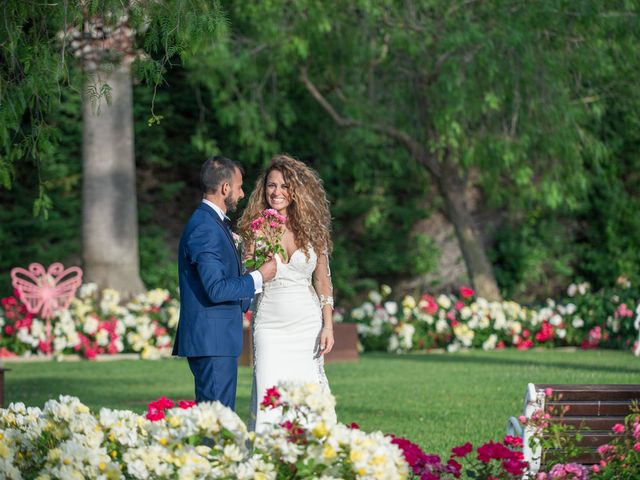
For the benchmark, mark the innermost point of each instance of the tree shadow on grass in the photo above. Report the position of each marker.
(464, 357)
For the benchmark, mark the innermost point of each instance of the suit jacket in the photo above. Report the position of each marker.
(213, 291)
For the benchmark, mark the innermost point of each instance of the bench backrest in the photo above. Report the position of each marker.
(591, 410)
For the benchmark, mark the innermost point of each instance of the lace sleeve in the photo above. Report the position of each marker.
(322, 281)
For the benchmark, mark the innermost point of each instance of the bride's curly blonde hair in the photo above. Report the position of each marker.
(308, 214)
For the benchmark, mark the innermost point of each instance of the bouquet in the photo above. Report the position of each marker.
(268, 230)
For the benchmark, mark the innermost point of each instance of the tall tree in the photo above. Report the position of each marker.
(479, 94)
(105, 35)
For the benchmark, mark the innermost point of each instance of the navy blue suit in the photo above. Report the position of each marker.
(213, 296)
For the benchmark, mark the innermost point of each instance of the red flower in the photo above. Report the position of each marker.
(271, 398)
(186, 404)
(546, 332)
(8, 329)
(467, 292)
(513, 441)
(514, 467)
(354, 426)
(161, 404)
(155, 415)
(462, 450)
(454, 468)
(492, 450)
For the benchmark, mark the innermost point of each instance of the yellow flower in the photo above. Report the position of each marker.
(4, 450)
(328, 452)
(320, 430)
(355, 455)
(102, 466)
(163, 441)
(173, 421)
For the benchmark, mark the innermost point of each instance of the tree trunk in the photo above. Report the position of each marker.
(475, 258)
(109, 209)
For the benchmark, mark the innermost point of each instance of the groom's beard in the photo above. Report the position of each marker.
(231, 204)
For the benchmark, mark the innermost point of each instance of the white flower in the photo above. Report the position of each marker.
(444, 301)
(375, 297)
(577, 322)
(555, 320)
(490, 343)
(571, 291)
(391, 307)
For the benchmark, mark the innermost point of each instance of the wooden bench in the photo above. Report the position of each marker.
(590, 410)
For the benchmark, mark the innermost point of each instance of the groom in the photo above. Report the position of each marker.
(213, 291)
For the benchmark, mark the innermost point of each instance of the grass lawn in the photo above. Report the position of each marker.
(436, 400)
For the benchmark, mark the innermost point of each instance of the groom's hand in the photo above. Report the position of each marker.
(268, 270)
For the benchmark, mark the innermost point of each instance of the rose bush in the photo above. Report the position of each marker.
(609, 318)
(95, 323)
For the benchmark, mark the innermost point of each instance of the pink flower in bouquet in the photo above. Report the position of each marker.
(459, 305)
(548, 392)
(467, 292)
(186, 404)
(268, 230)
(636, 447)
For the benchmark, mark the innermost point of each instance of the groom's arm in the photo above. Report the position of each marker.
(205, 251)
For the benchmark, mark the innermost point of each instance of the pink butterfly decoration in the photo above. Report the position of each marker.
(46, 291)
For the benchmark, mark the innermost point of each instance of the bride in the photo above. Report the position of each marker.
(293, 324)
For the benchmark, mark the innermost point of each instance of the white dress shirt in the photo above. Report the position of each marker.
(256, 275)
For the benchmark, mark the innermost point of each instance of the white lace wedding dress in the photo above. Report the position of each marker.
(287, 326)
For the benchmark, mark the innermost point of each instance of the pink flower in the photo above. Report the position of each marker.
(257, 223)
(459, 305)
(595, 468)
(542, 476)
(618, 428)
(636, 447)
(522, 419)
(467, 292)
(548, 392)
(430, 306)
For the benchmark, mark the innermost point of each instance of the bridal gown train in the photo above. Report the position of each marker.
(287, 326)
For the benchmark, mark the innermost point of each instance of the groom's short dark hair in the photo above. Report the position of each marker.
(215, 171)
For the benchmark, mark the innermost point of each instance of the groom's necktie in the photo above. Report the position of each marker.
(227, 223)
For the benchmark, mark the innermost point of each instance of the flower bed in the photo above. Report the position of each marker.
(582, 319)
(209, 441)
(100, 323)
(94, 324)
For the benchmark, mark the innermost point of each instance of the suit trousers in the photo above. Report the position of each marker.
(216, 378)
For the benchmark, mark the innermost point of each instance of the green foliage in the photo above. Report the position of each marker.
(37, 66)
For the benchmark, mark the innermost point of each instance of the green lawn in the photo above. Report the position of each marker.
(437, 400)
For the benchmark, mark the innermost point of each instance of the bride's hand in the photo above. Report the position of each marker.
(326, 341)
